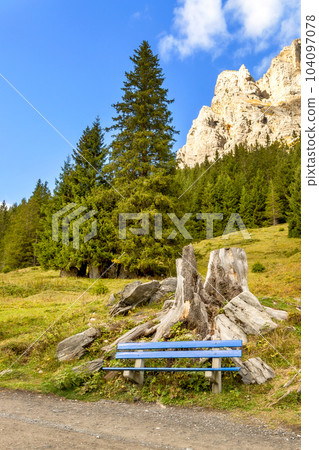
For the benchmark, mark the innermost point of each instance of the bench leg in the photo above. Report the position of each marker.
(215, 377)
(136, 376)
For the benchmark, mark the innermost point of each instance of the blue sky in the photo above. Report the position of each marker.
(68, 58)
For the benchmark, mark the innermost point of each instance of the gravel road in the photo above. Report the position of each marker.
(33, 421)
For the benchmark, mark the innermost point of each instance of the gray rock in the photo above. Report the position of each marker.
(166, 286)
(89, 366)
(74, 346)
(277, 314)
(225, 329)
(254, 370)
(169, 284)
(111, 300)
(245, 312)
(134, 294)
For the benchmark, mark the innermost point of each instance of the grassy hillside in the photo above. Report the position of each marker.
(31, 300)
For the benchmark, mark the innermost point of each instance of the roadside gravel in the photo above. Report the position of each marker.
(32, 421)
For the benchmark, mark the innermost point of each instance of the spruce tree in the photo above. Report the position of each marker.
(273, 206)
(88, 161)
(79, 178)
(24, 228)
(144, 132)
(4, 221)
(246, 208)
(142, 163)
(294, 218)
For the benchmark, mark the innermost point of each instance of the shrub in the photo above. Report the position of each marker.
(100, 290)
(258, 267)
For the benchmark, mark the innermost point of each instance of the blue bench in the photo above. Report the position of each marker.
(216, 350)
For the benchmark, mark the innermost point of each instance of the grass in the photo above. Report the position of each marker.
(31, 300)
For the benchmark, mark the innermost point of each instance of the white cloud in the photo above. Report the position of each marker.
(197, 23)
(256, 17)
(205, 24)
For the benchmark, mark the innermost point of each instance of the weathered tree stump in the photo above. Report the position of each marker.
(226, 274)
(189, 305)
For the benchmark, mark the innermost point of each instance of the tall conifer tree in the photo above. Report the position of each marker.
(142, 162)
(143, 124)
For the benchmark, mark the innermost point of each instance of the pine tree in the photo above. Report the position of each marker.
(273, 206)
(63, 185)
(294, 218)
(4, 221)
(143, 124)
(258, 197)
(79, 178)
(24, 228)
(88, 161)
(142, 163)
(246, 208)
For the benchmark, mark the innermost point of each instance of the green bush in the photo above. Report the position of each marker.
(66, 380)
(100, 290)
(6, 270)
(258, 267)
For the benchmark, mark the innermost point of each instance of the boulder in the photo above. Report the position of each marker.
(89, 367)
(134, 294)
(277, 314)
(247, 315)
(166, 286)
(225, 329)
(254, 370)
(74, 346)
(111, 300)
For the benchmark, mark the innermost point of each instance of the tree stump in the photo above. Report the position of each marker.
(226, 274)
(189, 304)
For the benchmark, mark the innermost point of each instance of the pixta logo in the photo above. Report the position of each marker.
(75, 226)
(209, 218)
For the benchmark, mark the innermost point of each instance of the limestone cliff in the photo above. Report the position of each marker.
(245, 110)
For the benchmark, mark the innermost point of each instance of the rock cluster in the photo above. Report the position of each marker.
(245, 110)
(220, 308)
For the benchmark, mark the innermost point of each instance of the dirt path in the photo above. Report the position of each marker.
(32, 421)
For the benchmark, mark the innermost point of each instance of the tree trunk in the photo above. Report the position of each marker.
(226, 274)
(191, 304)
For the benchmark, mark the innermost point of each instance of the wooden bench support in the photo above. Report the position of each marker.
(215, 377)
(135, 375)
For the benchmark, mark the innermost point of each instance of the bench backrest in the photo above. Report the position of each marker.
(186, 349)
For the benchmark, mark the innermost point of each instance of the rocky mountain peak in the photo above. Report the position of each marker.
(245, 110)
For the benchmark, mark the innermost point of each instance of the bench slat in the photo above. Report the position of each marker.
(180, 354)
(178, 344)
(174, 369)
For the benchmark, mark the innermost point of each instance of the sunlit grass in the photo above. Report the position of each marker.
(31, 300)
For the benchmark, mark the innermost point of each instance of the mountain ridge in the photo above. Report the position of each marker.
(245, 110)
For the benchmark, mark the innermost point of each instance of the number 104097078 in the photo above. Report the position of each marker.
(310, 48)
